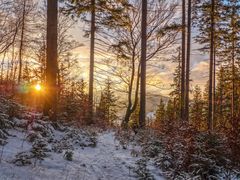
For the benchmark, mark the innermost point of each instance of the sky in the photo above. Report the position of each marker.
(163, 76)
(199, 64)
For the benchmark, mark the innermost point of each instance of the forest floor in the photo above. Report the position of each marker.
(40, 152)
(34, 148)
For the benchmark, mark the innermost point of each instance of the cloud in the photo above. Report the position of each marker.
(199, 74)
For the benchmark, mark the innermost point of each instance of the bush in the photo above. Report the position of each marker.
(185, 153)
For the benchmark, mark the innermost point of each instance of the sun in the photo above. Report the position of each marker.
(38, 87)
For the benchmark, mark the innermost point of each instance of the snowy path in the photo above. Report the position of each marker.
(107, 161)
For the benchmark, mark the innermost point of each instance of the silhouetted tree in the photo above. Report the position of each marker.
(51, 63)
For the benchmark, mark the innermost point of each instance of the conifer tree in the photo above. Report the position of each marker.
(108, 103)
(205, 105)
(207, 19)
(160, 114)
(74, 101)
(231, 41)
(197, 110)
(170, 120)
(224, 96)
(175, 94)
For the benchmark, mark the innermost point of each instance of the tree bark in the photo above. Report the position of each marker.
(188, 59)
(21, 43)
(132, 107)
(91, 70)
(183, 60)
(50, 106)
(2, 66)
(142, 115)
(233, 62)
(210, 90)
(214, 87)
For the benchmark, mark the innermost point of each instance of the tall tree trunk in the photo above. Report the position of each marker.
(130, 89)
(2, 66)
(21, 43)
(14, 67)
(50, 107)
(8, 69)
(214, 86)
(126, 117)
(129, 106)
(132, 107)
(59, 83)
(91, 71)
(188, 59)
(210, 90)
(183, 59)
(142, 115)
(233, 83)
(178, 117)
(221, 99)
(233, 86)
(233, 22)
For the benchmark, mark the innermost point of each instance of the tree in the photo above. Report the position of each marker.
(197, 110)
(91, 70)
(175, 94)
(123, 43)
(160, 114)
(134, 119)
(16, 36)
(211, 61)
(189, 24)
(208, 19)
(102, 12)
(67, 62)
(25, 10)
(170, 115)
(21, 41)
(74, 101)
(107, 105)
(183, 75)
(126, 46)
(11, 22)
(231, 41)
(142, 115)
(224, 97)
(51, 64)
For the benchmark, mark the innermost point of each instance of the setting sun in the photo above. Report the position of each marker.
(38, 87)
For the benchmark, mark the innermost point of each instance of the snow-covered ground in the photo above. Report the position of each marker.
(108, 160)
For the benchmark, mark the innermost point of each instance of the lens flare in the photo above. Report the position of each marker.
(38, 87)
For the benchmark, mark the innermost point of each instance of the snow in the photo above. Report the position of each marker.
(107, 161)
(155, 172)
(37, 151)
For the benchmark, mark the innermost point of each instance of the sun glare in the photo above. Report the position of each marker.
(38, 87)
